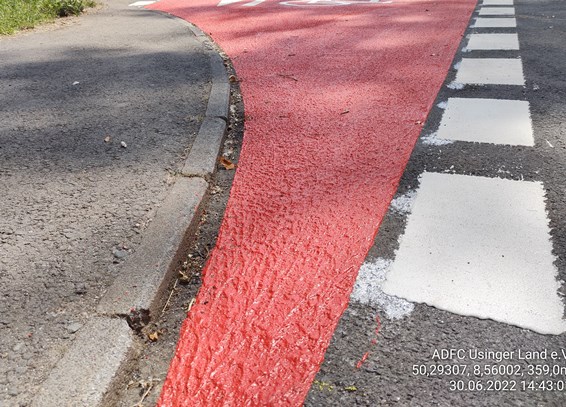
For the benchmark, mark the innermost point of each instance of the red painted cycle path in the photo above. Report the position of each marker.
(334, 99)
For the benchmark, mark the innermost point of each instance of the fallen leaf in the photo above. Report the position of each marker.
(184, 278)
(233, 78)
(153, 336)
(227, 164)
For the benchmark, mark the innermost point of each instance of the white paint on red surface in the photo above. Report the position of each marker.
(253, 3)
(307, 3)
(490, 71)
(480, 247)
(141, 3)
(487, 121)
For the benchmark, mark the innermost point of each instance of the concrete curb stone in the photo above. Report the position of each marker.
(201, 160)
(100, 354)
(89, 366)
(144, 278)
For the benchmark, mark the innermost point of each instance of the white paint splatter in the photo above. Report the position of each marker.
(433, 140)
(443, 105)
(404, 203)
(367, 290)
(455, 85)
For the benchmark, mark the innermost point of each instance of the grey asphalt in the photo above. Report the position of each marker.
(388, 376)
(97, 119)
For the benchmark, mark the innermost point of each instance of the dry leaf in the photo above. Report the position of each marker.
(153, 336)
(232, 78)
(227, 164)
(184, 278)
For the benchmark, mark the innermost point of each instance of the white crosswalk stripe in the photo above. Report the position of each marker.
(491, 71)
(475, 246)
(487, 121)
(480, 247)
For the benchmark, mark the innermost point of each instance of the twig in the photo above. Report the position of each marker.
(169, 299)
(139, 403)
(191, 303)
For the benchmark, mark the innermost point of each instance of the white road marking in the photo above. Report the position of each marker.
(487, 121)
(141, 3)
(367, 290)
(494, 22)
(497, 3)
(485, 71)
(306, 3)
(479, 42)
(480, 247)
(253, 3)
(497, 11)
(403, 203)
(433, 140)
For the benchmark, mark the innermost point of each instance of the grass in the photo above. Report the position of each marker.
(21, 14)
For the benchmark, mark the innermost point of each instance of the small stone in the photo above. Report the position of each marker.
(119, 254)
(74, 327)
(18, 347)
(21, 370)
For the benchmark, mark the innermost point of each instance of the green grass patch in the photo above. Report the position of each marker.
(21, 14)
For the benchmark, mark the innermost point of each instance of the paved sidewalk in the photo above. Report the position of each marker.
(97, 117)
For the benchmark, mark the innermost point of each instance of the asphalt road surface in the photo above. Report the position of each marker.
(95, 116)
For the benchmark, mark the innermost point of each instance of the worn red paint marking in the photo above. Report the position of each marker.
(373, 343)
(335, 98)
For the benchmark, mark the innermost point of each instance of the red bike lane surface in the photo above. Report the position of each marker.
(334, 101)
